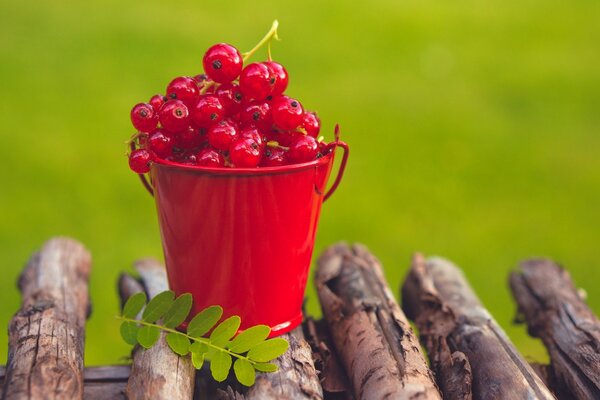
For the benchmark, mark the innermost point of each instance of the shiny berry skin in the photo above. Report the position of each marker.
(210, 158)
(185, 89)
(189, 139)
(220, 135)
(143, 117)
(257, 114)
(287, 113)
(257, 81)
(160, 143)
(303, 149)
(245, 153)
(231, 97)
(200, 79)
(281, 77)
(311, 124)
(157, 102)
(139, 161)
(254, 134)
(174, 116)
(222, 63)
(274, 157)
(207, 111)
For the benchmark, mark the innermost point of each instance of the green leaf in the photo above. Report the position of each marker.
(197, 360)
(225, 331)
(266, 367)
(178, 311)
(198, 347)
(220, 365)
(178, 343)
(134, 305)
(158, 306)
(249, 338)
(147, 336)
(204, 321)
(129, 331)
(244, 372)
(268, 350)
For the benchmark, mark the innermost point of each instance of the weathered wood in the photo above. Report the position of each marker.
(462, 339)
(46, 336)
(374, 341)
(556, 313)
(157, 373)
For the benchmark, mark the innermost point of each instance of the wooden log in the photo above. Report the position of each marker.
(466, 347)
(374, 341)
(157, 373)
(556, 313)
(46, 336)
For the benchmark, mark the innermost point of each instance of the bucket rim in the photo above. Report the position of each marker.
(162, 163)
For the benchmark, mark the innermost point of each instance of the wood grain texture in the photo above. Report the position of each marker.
(372, 337)
(555, 312)
(469, 352)
(46, 336)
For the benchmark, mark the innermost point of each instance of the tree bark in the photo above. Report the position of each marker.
(374, 341)
(467, 349)
(46, 336)
(556, 313)
(156, 373)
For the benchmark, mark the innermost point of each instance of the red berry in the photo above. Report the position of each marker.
(273, 157)
(200, 79)
(287, 113)
(139, 161)
(210, 158)
(303, 149)
(221, 135)
(160, 143)
(245, 153)
(256, 81)
(185, 89)
(284, 138)
(254, 134)
(231, 97)
(157, 102)
(207, 111)
(143, 117)
(174, 116)
(281, 77)
(311, 124)
(222, 63)
(189, 139)
(257, 114)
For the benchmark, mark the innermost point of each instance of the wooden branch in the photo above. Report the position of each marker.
(374, 341)
(157, 373)
(46, 336)
(556, 313)
(462, 339)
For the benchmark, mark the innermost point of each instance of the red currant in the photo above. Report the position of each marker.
(185, 89)
(257, 114)
(231, 97)
(245, 153)
(174, 116)
(311, 124)
(200, 80)
(189, 139)
(222, 63)
(256, 81)
(143, 117)
(139, 161)
(160, 143)
(210, 158)
(157, 102)
(287, 113)
(273, 157)
(303, 149)
(207, 111)
(281, 77)
(221, 135)
(254, 134)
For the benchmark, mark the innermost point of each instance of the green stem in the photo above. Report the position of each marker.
(206, 341)
(272, 34)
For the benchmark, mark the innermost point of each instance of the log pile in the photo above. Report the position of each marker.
(363, 348)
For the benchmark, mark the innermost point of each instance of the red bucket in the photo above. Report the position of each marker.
(243, 238)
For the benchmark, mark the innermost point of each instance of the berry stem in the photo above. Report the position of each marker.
(272, 34)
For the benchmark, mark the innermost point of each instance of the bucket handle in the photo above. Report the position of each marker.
(332, 146)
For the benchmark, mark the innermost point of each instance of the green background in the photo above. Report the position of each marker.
(473, 127)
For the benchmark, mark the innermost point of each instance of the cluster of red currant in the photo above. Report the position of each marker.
(231, 116)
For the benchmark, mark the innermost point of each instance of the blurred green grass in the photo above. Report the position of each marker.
(473, 127)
